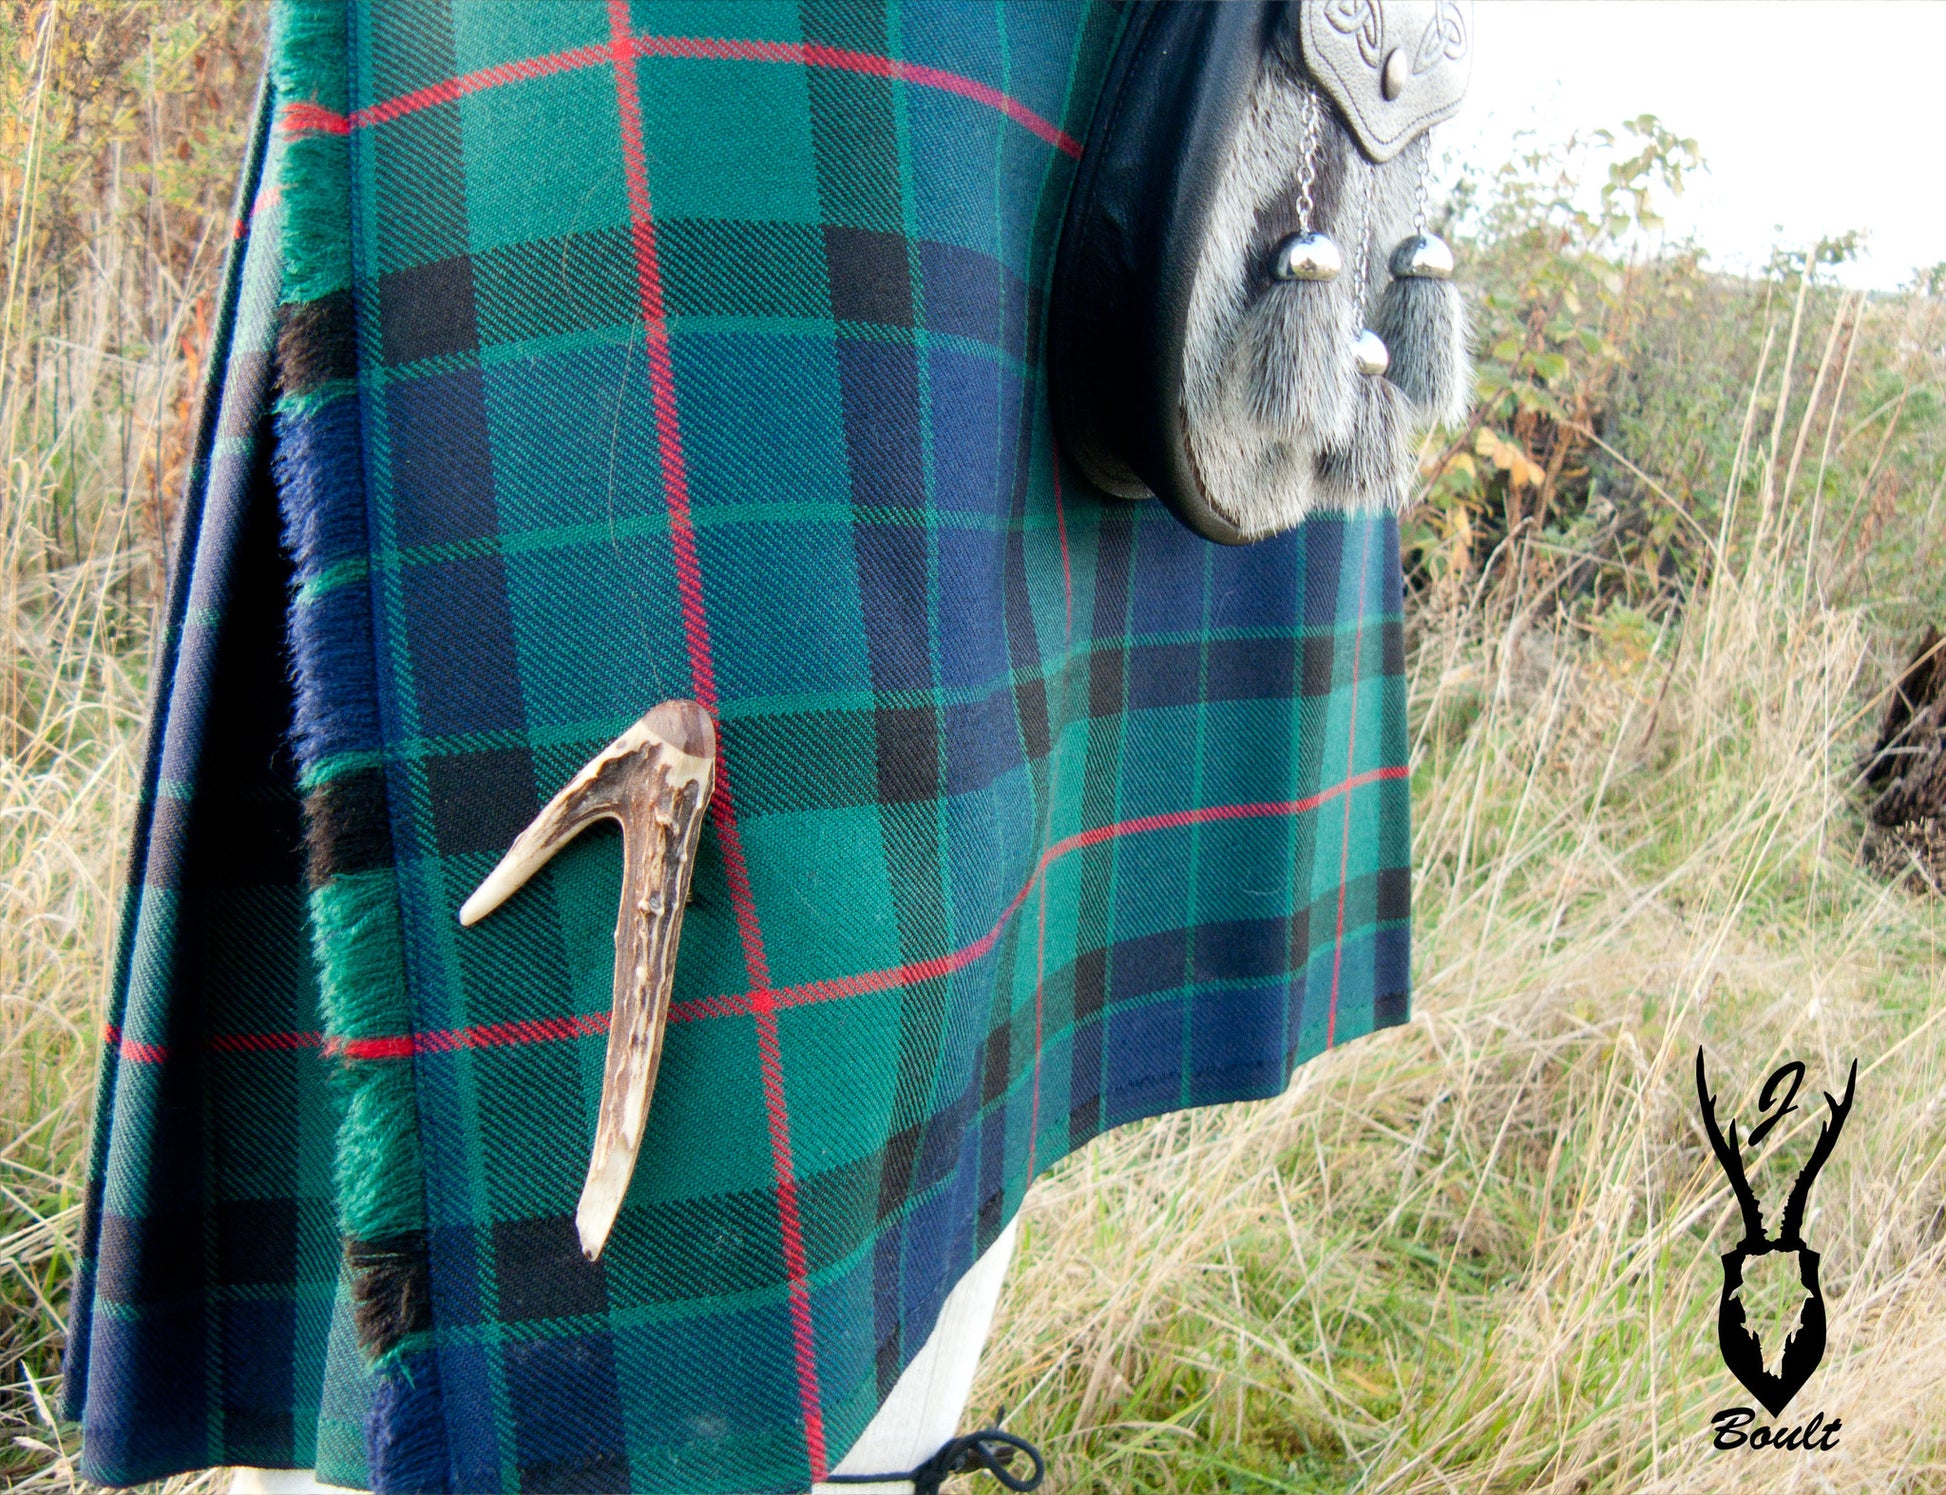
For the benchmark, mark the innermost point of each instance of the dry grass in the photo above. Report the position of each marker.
(120, 128)
(1479, 1252)
(1482, 1252)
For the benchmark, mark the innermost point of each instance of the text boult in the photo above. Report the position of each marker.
(1815, 1436)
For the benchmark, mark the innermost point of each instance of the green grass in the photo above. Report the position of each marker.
(1480, 1252)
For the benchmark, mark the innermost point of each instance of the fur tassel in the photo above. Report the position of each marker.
(1423, 322)
(1297, 338)
(1373, 468)
(1278, 423)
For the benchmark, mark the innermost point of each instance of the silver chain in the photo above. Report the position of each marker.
(1367, 233)
(1425, 187)
(1307, 163)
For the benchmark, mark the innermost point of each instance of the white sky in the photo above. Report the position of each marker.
(1814, 116)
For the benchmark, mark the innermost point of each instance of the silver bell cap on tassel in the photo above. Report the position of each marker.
(1370, 354)
(1307, 257)
(1422, 257)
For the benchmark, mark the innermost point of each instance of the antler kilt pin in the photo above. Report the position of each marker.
(795, 383)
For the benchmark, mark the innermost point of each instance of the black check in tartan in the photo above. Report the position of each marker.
(694, 350)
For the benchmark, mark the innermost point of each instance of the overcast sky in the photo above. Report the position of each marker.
(1815, 116)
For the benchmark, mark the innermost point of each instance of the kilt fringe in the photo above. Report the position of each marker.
(357, 936)
(405, 1437)
(316, 345)
(308, 65)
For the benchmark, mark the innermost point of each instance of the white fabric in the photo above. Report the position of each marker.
(923, 1411)
(920, 1416)
(278, 1482)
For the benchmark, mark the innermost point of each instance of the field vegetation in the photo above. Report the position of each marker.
(1661, 585)
(120, 132)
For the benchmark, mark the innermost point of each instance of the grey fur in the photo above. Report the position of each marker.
(1423, 323)
(1295, 340)
(1259, 178)
(1374, 468)
(1278, 422)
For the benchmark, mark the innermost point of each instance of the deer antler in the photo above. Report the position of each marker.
(1728, 1154)
(1791, 1238)
(655, 779)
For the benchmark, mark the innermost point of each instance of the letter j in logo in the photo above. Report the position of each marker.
(1742, 1350)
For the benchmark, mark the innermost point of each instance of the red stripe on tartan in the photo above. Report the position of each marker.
(1040, 922)
(816, 54)
(1351, 751)
(1040, 986)
(479, 1036)
(689, 586)
(223, 1043)
(488, 77)
(594, 1024)
(300, 118)
(696, 48)
(264, 1043)
(131, 1049)
(931, 969)
(262, 200)
(501, 1035)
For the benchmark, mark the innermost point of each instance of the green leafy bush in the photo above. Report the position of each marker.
(1630, 422)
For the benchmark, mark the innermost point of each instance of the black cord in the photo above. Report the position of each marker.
(990, 1449)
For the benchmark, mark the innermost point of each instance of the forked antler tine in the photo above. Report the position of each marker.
(588, 797)
(1793, 1224)
(655, 779)
(1730, 1156)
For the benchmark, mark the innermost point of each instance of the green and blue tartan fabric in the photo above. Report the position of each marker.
(210, 1242)
(627, 352)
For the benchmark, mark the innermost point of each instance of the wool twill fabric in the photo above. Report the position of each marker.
(577, 357)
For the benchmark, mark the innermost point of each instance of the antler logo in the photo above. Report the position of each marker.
(1742, 1350)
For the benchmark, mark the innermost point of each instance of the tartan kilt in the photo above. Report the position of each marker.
(577, 357)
